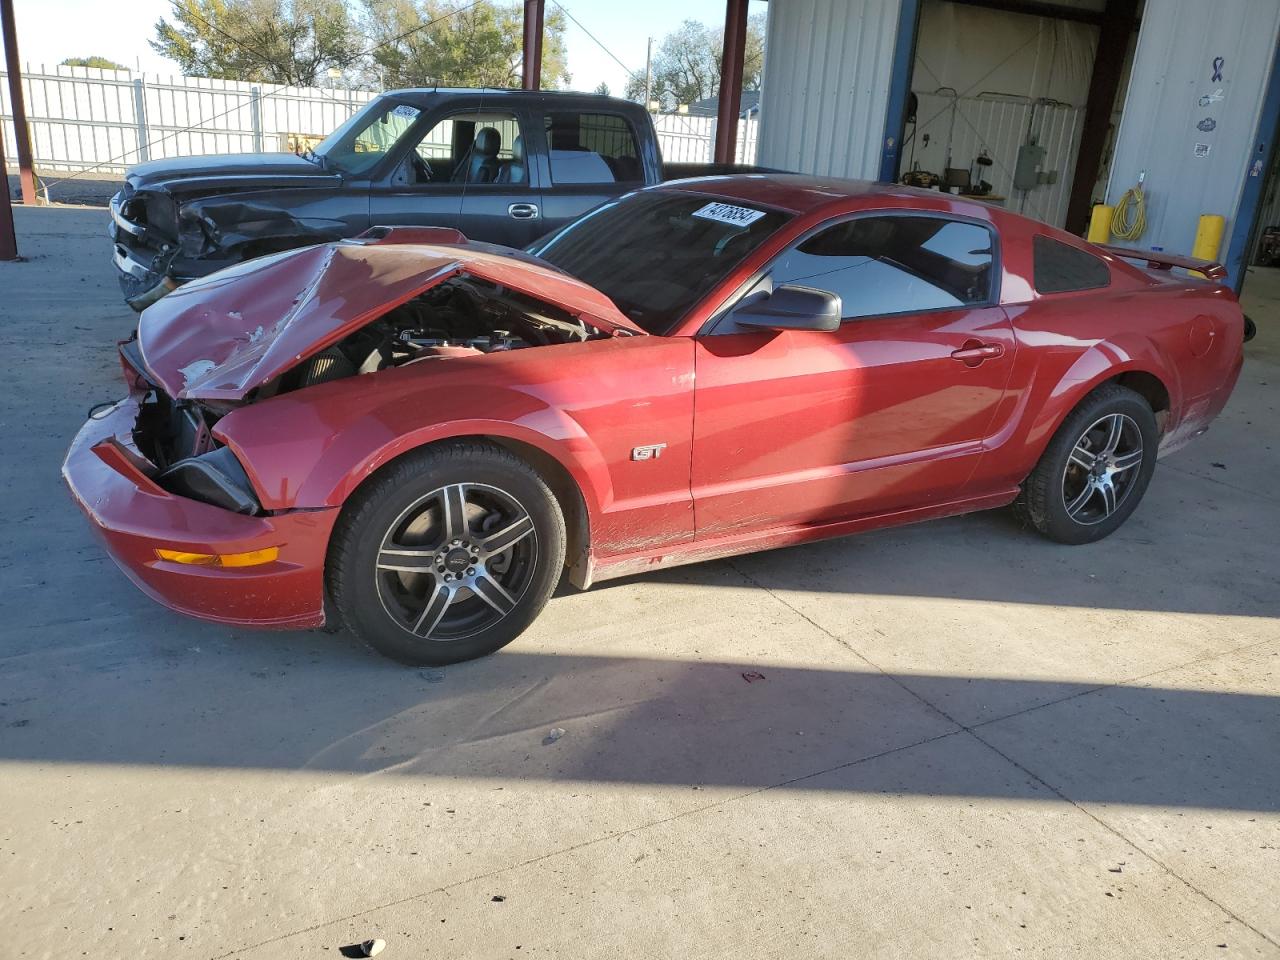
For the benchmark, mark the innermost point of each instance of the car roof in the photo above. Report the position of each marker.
(802, 194)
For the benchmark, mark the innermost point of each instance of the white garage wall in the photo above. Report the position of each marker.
(1172, 70)
(827, 70)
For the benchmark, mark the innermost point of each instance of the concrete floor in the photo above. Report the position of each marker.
(967, 741)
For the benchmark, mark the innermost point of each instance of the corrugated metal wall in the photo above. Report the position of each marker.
(1164, 118)
(826, 85)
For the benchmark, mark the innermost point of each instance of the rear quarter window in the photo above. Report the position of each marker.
(1059, 268)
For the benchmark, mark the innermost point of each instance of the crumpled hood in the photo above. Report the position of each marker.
(223, 335)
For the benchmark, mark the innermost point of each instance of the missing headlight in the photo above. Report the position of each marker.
(215, 478)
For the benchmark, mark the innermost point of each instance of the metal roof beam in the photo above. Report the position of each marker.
(1039, 8)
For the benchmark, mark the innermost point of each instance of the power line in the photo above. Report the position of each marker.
(267, 61)
(630, 72)
(422, 26)
(274, 93)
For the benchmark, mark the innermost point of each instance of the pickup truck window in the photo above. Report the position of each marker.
(470, 147)
(358, 145)
(592, 148)
(656, 253)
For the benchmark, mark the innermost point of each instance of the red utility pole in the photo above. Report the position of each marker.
(8, 239)
(735, 51)
(21, 134)
(533, 16)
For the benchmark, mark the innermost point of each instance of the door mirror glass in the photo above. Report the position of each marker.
(792, 308)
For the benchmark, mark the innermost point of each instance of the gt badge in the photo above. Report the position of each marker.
(650, 451)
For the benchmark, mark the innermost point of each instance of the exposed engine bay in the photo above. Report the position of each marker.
(459, 318)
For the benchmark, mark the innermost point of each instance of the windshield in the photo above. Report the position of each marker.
(367, 136)
(657, 253)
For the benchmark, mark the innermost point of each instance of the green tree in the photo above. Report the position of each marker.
(98, 63)
(270, 41)
(686, 67)
(603, 90)
(449, 42)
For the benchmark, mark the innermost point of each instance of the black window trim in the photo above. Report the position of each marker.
(718, 323)
(636, 141)
(1075, 290)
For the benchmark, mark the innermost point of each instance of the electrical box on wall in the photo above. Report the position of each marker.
(1026, 174)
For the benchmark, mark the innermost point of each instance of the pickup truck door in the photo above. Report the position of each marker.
(449, 178)
(585, 159)
(887, 413)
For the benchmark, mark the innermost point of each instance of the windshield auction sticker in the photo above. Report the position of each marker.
(728, 213)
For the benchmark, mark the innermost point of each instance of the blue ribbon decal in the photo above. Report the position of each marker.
(1217, 69)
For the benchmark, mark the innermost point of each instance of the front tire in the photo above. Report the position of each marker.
(446, 555)
(1095, 470)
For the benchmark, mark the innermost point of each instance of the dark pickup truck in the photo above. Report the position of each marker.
(503, 166)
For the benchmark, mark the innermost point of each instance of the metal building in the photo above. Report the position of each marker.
(1043, 106)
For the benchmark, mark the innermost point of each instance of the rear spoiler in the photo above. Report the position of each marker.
(1159, 260)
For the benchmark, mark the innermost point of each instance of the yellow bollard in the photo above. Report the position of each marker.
(1209, 237)
(1100, 223)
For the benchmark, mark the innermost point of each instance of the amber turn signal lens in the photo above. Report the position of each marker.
(251, 559)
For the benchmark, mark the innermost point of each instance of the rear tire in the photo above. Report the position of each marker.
(446, 555)
(1095, 470)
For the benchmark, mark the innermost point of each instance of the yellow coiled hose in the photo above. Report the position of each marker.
(1130, 218)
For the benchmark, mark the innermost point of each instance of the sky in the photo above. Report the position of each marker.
(49, 31)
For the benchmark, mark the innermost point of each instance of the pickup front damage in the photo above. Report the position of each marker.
(162, 242)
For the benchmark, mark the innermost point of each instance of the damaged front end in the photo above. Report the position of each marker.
(307, 317)
(175, 439)
(162, 241)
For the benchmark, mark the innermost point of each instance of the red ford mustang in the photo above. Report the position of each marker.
(419, 434)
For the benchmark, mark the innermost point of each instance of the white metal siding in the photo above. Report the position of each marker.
(1172, 69)
(827, 71)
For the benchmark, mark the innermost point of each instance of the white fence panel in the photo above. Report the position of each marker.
(686, 139)
(105, 121)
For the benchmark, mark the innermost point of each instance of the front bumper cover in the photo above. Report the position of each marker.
(133, 517)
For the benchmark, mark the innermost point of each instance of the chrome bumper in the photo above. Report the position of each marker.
(126, 262)
(121, 222)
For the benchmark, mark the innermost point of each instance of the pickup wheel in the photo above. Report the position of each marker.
(447, 555)
(1095, 469)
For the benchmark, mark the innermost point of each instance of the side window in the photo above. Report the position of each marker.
(592, 148)
(1059, 268)
(895, 264)
(472, 148)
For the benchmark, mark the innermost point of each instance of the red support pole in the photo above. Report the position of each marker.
(735, 51)
(8, 239)
(22, 135)
(533, 16)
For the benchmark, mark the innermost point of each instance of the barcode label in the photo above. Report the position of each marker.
(728, 213)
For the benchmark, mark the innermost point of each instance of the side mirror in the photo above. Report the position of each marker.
(792, 308)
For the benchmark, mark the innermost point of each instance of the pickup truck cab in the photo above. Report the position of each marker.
(502, 166)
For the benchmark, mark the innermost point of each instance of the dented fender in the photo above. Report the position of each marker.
(221, 226)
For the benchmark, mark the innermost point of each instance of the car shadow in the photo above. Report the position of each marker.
(317, 702)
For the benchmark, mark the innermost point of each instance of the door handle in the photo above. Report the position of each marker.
(974, 352)
(523, 211)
